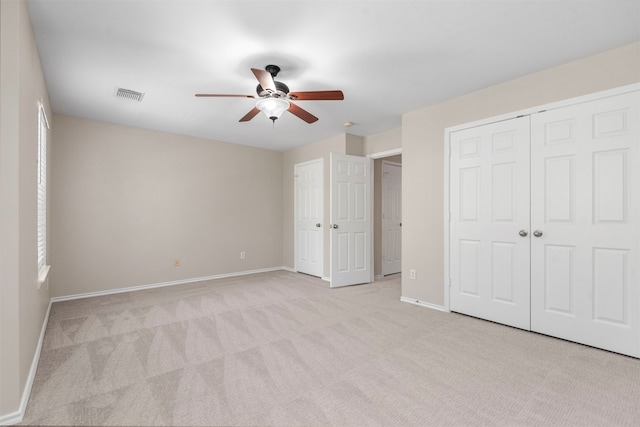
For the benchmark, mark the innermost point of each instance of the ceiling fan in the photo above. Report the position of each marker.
(275, 98)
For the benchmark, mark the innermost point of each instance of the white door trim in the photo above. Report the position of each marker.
(388, 153)
(528, 111)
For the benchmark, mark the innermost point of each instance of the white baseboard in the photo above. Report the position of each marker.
(163, 284)
(424, 304)
(12, 418)
(16, 417)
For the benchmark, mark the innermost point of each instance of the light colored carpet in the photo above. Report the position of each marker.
(283, 349)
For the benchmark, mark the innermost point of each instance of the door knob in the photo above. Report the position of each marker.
(318, 225)
(537, 233)
(334, 226)
(523, 233)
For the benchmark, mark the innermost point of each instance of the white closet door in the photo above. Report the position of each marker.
(586, 203)
(489, 207)
(309, 242)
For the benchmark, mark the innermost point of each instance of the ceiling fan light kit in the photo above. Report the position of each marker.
(273, 107)
(275, 97)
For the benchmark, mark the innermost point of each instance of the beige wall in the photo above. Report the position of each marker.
(22, 305)
(354, 145)
(128, 201)
(423, 150)
(383, 142)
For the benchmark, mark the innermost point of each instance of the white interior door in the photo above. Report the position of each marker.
(391, 217)
(351, 222)
(308, 209)
(586, 203)
(489, 222)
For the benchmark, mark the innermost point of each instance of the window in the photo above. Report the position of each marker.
(43, 126)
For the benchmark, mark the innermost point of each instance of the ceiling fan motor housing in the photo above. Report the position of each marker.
(281, 90)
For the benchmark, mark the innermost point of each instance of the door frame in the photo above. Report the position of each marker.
(375, 156)
(320, 161)
(524, 112)
(384, 242)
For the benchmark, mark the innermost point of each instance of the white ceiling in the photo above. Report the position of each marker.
(388, 57)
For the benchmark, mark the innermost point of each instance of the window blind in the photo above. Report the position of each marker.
(43, 126)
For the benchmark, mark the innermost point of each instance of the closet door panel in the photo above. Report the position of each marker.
(489, 201)
(585, 201)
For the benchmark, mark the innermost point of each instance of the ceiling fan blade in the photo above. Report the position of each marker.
(227, 96)
(318, 95)
(250, 115)
(265, 79)
(302, 113)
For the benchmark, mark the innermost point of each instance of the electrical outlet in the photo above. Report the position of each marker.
(242, 255)
(176, 262)
(412, 274)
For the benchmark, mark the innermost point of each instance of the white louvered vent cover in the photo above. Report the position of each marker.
(129, 94)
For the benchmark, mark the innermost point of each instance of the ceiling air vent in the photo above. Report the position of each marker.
(129, 94)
